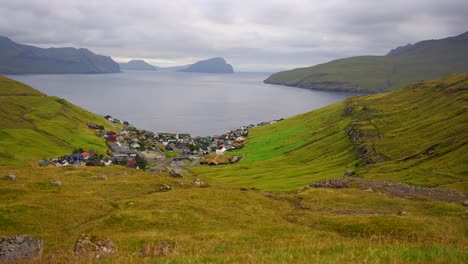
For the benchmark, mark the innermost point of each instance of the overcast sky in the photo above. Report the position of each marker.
(263, 35)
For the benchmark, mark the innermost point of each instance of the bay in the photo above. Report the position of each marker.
(180, 102)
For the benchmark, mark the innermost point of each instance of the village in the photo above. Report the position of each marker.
(147, 150)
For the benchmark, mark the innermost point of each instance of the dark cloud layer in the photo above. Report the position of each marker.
(252, 35)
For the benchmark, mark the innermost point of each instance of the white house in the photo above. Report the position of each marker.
(220, 151)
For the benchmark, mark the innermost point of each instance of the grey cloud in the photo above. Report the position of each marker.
(264, 34)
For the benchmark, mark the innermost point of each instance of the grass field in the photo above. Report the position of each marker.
(221, 223)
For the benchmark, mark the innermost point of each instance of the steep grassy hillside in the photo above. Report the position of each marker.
(416, 135)
(217, 223)
(35, 126)
(424, 60)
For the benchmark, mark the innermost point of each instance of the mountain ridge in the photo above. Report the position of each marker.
(424, 60)
(18, 58)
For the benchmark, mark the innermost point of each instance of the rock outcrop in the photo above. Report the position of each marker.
(20, 248)
(94, 246)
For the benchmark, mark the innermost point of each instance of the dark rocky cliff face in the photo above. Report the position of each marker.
(214, 65)
(19, 59)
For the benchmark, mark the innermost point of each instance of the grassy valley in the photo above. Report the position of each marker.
(260, 210)
(424, 60)
(36, 126)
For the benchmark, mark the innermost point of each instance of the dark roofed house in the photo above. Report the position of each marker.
(92, 126)
(77, 156)
(92, 163)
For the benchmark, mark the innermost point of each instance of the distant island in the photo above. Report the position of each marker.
(425, 60)
(17, 58)
(139, 65)
(213, 65)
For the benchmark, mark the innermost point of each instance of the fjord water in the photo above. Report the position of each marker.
(179, 102)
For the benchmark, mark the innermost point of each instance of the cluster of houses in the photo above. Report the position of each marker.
(131, 146)
(78, 158)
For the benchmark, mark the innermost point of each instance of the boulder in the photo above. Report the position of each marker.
(465, 203)
(198, 182)
(161, 249)
(349, 173)
(56, 182)
(20, 248)
(402, 212)
(165, 188)
(174, 174)
(10, 177)
(87, 245)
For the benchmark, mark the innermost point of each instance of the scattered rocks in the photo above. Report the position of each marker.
(197, 182)
(165, 188)
(87, 245)
(349, 173)
(56, 182)
(161, 249)
(20, 247)
(331, 183)
(10, 177)
(99, 177)
(402, 212)
(393, 188)
(465, 203)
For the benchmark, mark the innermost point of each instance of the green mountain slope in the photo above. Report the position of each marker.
(416, 135)
(35, 126)
(424, 60)
(17, 58)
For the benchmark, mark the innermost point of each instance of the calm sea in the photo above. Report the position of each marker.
(200, 104)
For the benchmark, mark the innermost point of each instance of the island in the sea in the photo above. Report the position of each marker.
(213, 65)
(138, 65)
